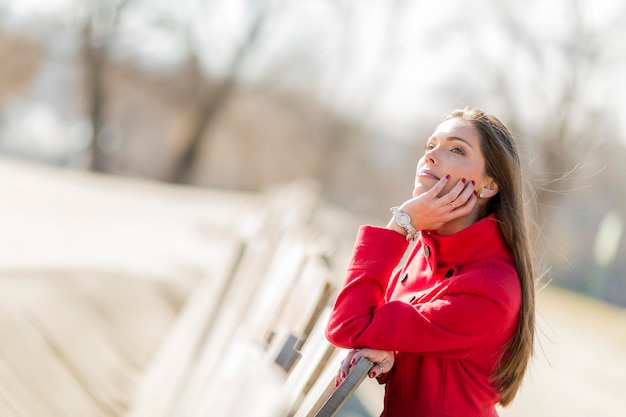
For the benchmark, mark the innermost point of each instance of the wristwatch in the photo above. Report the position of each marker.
(404, 221)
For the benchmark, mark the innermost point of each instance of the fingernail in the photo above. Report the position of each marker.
(463, 180)
(473, 182)
(343, 375)
(374, 374)
(352, 362)
(447, 177)
(336, 384)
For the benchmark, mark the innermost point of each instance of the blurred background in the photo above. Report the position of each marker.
(244, 94)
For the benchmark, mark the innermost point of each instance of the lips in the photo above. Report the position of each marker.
(428, 174)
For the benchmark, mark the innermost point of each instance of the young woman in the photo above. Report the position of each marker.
(451, 329)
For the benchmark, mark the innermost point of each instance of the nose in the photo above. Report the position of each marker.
(430, 155)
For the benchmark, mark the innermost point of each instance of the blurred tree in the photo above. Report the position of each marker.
(20, 60)
(212, 95)
(573, 119)
(99, 27)
(557, 69)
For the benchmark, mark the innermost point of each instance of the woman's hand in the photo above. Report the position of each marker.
(383, 362)
(430, 211)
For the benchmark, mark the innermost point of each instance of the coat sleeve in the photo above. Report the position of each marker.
(468, 312)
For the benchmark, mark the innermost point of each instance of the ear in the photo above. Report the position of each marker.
(489, 188)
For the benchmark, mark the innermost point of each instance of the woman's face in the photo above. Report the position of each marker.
(453, 149)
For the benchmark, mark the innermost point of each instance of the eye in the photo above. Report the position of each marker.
(458, 150)
(429, 146)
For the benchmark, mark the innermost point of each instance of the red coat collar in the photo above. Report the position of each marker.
(478, 241)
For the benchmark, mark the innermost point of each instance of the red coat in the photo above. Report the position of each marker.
(447, 315)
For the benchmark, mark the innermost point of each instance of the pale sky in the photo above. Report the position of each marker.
(364, 59)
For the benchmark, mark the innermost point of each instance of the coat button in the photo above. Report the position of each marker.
(427, 251)
(449, 273)
(404, 276)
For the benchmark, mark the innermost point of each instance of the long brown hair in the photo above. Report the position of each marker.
(502, 163)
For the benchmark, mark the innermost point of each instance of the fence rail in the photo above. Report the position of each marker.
(125, 298)
(251, 342)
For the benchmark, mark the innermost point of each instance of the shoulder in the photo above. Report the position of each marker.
(494, 277)
(379, 240)
(375, 245)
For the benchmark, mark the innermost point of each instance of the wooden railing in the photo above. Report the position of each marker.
(251, 342)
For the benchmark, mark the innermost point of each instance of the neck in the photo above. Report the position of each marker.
(461, 223)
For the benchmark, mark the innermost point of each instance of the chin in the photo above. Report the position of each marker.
(419, 189)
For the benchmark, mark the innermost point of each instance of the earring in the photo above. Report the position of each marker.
(481, 194)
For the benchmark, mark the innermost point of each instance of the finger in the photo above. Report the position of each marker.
(377, 370)
(438, 187)
(341, 375)
(465, 208)
(463, 196)
(338, 378)
(355, 358)
(455, 192)
(344, 367)
(371, 354)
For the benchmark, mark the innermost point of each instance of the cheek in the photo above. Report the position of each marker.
(420, 165)
(447, 188)
(473, 171)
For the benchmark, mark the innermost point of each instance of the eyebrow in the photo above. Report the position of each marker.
(460, 139)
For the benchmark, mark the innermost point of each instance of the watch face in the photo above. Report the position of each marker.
(403, 219)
